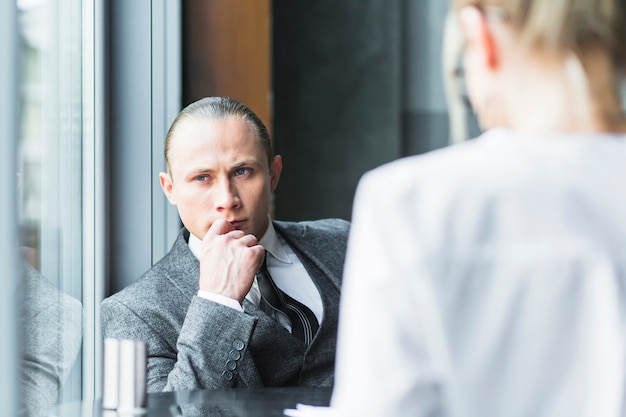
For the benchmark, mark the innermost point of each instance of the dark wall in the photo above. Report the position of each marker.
(337, 100)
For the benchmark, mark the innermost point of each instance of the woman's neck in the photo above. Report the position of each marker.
(556, 95)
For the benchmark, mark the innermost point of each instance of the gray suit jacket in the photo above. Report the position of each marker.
(194, 343)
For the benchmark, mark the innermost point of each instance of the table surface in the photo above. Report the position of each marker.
(238, 402)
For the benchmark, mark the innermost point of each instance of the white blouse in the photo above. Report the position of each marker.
(488, 279)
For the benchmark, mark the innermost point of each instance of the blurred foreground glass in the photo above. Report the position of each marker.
(50, 202)
(125, 364)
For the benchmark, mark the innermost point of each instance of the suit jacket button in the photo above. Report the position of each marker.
(234, 355)
(238, 344)
(228, 375)
(231, 365)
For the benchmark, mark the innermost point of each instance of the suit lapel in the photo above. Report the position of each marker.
(307, 249)
(184, 269)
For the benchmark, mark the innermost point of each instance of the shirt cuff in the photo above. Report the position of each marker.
(220, 299)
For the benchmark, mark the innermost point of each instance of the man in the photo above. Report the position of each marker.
(202, 309)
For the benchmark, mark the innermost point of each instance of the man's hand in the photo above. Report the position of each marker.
(229, 260)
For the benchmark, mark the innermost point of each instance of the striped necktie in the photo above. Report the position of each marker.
(304, 325)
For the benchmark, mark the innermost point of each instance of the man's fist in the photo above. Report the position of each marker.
(229, 259)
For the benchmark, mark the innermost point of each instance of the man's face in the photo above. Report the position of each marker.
(218, 170)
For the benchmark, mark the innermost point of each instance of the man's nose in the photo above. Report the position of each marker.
(226, 196)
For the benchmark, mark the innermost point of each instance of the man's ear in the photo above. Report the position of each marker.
(167, 185)
(479, 36)
(276, 166)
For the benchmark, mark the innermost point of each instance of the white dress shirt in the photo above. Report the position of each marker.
(488, 279)
(286, 270)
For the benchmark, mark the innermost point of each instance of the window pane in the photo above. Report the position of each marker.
(50, 202)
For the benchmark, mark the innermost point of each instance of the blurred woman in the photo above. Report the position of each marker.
(489, 278)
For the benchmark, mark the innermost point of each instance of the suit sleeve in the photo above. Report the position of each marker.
(211, 350)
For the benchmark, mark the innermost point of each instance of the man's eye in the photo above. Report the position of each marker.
(202, 178)
(241, 171)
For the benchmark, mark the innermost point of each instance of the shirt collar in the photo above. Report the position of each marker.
(272, 244)
(269, 241)
(194, 245)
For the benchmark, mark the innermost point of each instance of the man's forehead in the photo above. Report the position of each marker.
(209, 145)
(225, 128)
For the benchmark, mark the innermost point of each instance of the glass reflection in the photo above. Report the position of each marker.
(50, 206)
(51, 324)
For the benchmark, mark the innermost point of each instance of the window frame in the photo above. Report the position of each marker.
(8, 210)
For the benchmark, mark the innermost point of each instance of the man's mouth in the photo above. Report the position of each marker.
(237, 224)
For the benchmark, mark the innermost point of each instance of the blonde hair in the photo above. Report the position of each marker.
(568, 27)
(565, 25)
(457, 111)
